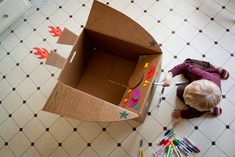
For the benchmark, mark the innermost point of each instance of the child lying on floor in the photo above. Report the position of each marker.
(203, 92)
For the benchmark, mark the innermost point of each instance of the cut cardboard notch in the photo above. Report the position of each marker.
(67, 37)
(103, 77)
(56, 60)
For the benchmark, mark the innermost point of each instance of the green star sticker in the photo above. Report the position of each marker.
(152, 43)
(123, 114)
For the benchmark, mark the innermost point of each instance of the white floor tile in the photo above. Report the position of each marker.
(210, 8)
(12, 102)
(34, 130)
(198, 19)
(216, 128)
(65, 129)
(119, 130)
(59, 152)
(218, 55)
(202, 43)
(227, 146)
(228, 112)
(74, 144)
(172, 21)
(26, 130)
(8, 129)
(7, 89)
(36, 19)
(48, 8)
(89, 130)
(46, 144)
(10, 42)
(213, 27)
(22, 116)
(184, 9)
(88, 152)
(133, 11)
(215, 152)
(225, 18)
(146, 21)
(19, 144)
(31, 152)
(107, 146)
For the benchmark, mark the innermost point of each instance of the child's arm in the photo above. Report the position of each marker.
(187, 114)
(191, 113)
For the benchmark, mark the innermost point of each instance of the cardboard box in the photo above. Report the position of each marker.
(110, 71)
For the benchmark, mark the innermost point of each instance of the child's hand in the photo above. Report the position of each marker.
(167, 81)
(176, 114)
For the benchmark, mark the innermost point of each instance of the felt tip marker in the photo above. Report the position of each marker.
(159, 151)
(174, 149)
(167, 136)
(190, 147)
(184, 150)
(184, 147)
(188, 141)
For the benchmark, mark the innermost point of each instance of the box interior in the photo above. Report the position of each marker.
(101, 66)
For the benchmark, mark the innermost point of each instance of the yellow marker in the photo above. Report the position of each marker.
(129, 91)
(146, 65)
(174, 149)
(142, 153)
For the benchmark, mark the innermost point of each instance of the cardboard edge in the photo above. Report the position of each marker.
(56, 60)
(70, 102)
(67, 37)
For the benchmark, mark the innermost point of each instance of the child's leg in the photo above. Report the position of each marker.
(200, 64)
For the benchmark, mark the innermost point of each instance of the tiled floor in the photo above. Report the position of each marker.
(200, 29)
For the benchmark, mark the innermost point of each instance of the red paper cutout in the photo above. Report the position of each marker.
(41, 53)
(151, 71)
(55, 32)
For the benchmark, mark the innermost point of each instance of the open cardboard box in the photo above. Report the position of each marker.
(110, 71)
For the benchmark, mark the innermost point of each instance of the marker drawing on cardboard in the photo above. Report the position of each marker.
(105, 68)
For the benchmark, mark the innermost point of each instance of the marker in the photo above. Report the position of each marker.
(186, 139)
(141, 151)
(174, 149)
(184, 150)
(158, 83)
(167, 136)
(169, 151)
(186, 146)
(190, 147)
(183, 146)
(159, 151)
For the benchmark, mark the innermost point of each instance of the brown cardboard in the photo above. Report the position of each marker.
(56, 60)
(112, 59)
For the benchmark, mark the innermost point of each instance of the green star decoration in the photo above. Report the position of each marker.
(152, 43)
(123, 114)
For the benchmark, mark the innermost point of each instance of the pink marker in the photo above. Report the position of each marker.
(159, 151)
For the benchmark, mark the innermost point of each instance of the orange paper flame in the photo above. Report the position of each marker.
(55, 32)
(41, 53)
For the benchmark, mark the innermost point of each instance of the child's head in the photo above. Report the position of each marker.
(202, 95)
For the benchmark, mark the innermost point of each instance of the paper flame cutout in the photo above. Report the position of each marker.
(55, 32)
(41, 53)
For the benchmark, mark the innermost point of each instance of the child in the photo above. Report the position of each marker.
(203, 92)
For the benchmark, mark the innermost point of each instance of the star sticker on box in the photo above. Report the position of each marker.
(153, 43)
(123, 114)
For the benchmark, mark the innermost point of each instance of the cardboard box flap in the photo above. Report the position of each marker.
(111, 22)
(67, 37)
(73, 103)
(55, 60)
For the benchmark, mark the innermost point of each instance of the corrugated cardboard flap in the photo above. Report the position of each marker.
(56, 60)
(73, 103)
(111, 22)
(67, 37)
